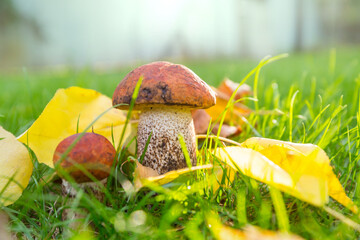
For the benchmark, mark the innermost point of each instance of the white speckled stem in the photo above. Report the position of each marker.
(92, 187)
(164, 150)
(77, 215)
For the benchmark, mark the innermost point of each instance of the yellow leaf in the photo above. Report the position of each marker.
(305, 162)
(222, 176)
(145, 175)
(234, 114)
(255, 165)
(68, 110)
(223, 232)
(142, 172)
(217, 176)
(16, 168)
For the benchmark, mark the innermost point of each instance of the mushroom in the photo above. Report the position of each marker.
(167, 94)
(95, 154)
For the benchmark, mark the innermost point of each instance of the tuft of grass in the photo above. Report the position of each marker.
(307, 97)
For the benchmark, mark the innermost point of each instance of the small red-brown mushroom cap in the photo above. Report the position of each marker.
(164, 83)
(93, 152)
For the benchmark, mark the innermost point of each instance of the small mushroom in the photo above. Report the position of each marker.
(95, 154)
(167, 94)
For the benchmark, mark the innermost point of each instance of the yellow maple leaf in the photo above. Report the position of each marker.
(16, 168)
(69, 111)
(303, 161)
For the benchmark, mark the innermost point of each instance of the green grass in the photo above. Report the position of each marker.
(312, 98)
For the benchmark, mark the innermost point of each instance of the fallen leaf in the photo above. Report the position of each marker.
(71, 110)
(235, 113)
(144, 175)
(228, 87)
(142, 172)
(249, 232)
(16, 168)
(223, 176)
(226, 130)
(255, 165)
(234, 116)
(201, 120)
(130, 139)
(305, 162)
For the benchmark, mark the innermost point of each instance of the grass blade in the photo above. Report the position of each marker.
(280, 210)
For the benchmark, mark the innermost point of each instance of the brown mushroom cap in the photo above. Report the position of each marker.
(93, 152)
(164, 83)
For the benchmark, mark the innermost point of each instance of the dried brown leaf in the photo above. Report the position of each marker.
(228, 87)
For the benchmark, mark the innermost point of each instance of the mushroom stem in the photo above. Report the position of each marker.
(77, 215)
(164, 151)
(89, 187)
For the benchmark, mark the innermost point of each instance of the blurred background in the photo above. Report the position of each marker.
(41, 33)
